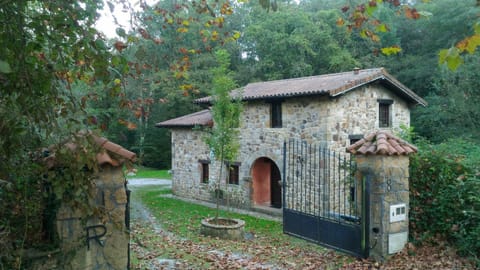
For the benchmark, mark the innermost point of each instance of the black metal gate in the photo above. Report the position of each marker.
(324, 201)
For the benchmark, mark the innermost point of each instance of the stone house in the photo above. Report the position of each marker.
(335, 110)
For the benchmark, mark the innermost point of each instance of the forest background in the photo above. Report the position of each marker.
(59, 76)
(299, 39)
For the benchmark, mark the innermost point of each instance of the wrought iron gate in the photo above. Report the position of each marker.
(324, 202)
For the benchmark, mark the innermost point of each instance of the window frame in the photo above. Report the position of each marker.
(233, 173)
(204, 171)
(276, 120)
(384, 113)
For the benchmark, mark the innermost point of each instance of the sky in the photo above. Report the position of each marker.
(106, 22)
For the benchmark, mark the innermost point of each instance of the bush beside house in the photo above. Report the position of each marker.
(444, 198)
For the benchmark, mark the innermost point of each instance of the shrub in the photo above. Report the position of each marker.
(444, 200)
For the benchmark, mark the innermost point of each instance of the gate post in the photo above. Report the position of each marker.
(383, 158)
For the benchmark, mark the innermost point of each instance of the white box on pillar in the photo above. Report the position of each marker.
(398, 212)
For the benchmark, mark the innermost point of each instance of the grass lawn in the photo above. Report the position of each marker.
(269, 244)
(144, 172)
(269, 248)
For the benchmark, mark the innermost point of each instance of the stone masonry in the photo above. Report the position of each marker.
(313, 119)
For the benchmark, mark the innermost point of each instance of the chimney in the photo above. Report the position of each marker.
(356, 71)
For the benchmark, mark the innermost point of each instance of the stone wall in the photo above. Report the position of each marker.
(316, 119)
(109, 251)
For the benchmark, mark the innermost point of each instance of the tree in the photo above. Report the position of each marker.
(223, 136)
(54, 66)
(362, 17)
(169, 54)
(290, 44)
(453, 110)
(47, 47)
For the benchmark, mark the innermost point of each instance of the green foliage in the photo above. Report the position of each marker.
(453, 109)
(226, 110)
(222, 138)
(293, 43)
(47, 46)
(444, 184)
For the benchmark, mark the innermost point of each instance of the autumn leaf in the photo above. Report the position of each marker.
(214, 35)
(382, 28)
(182, 30)
(451, 57)
(131, 126)
(340, 22)
(144, 33)
(391, 50)
(469, 44)
(236, 35)
(120, 46)
(412, 13)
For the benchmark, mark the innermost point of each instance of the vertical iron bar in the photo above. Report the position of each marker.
(325, 183)
(345, 184)
(339, 190)
(334, 183)
(302, 180)
(284, 180)
(311, 187)
(315, 186)
(355, 184)
(294, 175)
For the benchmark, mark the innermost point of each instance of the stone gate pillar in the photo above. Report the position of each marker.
(99, 240)
(382, 158)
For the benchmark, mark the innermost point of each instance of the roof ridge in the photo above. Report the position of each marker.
(317, 76)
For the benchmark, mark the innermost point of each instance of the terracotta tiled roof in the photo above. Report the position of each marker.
(112, 153)
(330, 84)
(108, 152)
(201, 118)
(381, 143)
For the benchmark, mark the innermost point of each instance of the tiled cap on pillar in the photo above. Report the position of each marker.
(107, 152)
(381, 143)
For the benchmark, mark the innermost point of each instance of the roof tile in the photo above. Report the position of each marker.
(109, 152)
(201, 118)
(329, 84)
(381, 143)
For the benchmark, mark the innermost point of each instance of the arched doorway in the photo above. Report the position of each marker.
(267, 189)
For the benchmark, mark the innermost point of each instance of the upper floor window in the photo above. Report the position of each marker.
(276, 114)
(384, 113)
(204, 174)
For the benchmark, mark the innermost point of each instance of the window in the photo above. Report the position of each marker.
(276, 114)
(204, 171)
(384, 116)
(233, 173)
(355, 138)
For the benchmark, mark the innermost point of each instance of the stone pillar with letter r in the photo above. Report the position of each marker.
(383, 159)
(99, 240)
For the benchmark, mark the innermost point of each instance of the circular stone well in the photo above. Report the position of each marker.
(223, 228)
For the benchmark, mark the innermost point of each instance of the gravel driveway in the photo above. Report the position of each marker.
(138, 182)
